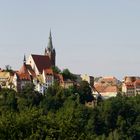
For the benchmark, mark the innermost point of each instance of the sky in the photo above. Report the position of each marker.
(96, 37)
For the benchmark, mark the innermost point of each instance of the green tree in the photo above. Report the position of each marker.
(8, 68)
(53, 98)
(68, 75)
(8, 100)
(85, 92)
(28, 97)
(56, 69)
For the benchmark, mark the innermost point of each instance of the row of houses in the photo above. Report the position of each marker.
(17, 80)
(110, 86)
(105, 86)
(38, 71)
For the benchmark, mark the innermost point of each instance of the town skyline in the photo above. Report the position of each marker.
(97, 38)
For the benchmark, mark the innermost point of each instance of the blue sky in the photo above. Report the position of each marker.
(97, 37)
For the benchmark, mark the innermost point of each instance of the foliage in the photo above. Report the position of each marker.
(8, 68)
(68, 75)
(56, 69)
(85, 92)
(60, 114)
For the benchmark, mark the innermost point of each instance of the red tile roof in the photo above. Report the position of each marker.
(137, 83)
(131, 78)
(129, 85)
(111, 89)
(23, 76)
(102, 89)
(42, 62)
(23, 73)
(23, 69)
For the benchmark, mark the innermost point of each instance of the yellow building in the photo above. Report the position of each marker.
(6, 79)
(89, 79)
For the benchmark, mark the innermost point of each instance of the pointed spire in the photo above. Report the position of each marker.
(50, 46)
(50, 34)
(23, 69)
(24, 60)
(45, 52)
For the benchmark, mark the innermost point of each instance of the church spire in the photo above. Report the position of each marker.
(24, 60)
(50, 45)
(50, 51)
(50, 34)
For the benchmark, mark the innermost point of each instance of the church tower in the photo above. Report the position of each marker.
(50, 51)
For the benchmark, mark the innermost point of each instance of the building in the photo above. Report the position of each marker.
(48, 77)
(137, 87)
(50, 51)
(6, 79)
(106, 86)
(41, 62)
(131, 86)
(106, 91)
(37, 70)
(108, 80)
(23, 77)
(89, 79)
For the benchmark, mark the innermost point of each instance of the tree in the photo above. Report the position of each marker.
(29, 97)
(56, 69)
(8, 100)
(85, 92)
(61, 114)
(68, 75)
(8, 68)
(53, 98)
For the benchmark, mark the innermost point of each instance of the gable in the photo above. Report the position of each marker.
(40, 62)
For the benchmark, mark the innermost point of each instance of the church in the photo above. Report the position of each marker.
(38, 70)
(42, 62)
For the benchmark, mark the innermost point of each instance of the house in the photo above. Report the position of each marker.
(48, 77)
(109, 80)
(6, 79)
(137, 87)
(131, 86)
(106, 86)
(106, 91)
(22, 77)
(128, 89)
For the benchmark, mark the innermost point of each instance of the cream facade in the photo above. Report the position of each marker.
(6, 79)
(89, 79)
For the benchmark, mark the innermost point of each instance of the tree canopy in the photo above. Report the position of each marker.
(68, 75)
(60, 114)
